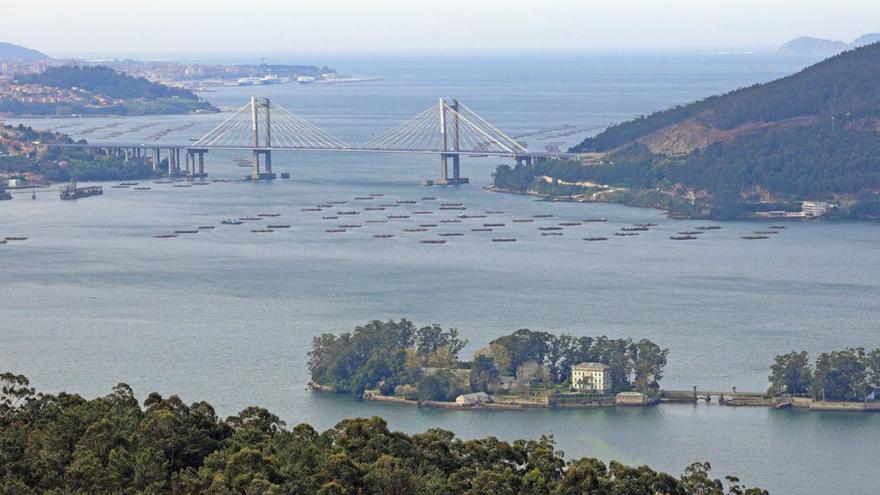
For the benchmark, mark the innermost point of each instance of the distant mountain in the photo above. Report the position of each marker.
(8, 51)
(814, 135)
(806, 45)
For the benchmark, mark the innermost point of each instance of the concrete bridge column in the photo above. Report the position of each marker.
(155, 160)
(456, 178)
(170, 162)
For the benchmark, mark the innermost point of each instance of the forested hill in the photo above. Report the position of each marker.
(106, 81)
(812, 136)
(844, 86)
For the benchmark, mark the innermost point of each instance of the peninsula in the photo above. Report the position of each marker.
(794, 147)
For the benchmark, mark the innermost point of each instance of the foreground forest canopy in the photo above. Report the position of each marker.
(394, 355)
(809, 136)
(67, 444)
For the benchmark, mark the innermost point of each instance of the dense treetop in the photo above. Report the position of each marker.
(845, 375)
(66, 444)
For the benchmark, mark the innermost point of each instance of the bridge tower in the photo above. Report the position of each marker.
(261, 111)
(449, 144)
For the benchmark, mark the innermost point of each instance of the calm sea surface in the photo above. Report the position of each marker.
(91, 299)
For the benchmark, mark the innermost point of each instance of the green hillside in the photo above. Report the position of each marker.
(814, 135)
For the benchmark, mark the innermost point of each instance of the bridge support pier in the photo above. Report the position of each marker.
(445, 179)
(523, 160)
(172, 165)
(267, 162)
(155, 160)
(195, 163)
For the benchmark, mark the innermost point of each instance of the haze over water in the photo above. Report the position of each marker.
(227, 316)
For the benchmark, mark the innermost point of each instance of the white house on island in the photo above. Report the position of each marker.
(591, 377)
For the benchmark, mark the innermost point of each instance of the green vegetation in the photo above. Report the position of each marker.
(399, 359)
(103, 91)
(65, 444)
(847, 375)
(809, 136)
(64, 164)
(837, 87)
(105, 81)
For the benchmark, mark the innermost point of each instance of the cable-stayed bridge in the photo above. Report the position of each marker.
(448, 129)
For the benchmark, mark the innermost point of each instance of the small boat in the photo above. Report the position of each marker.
(549, 228)
(542, 216)
(377, 221)
(462, 215)
(450, 220)
(455, 208)
(754, 237)
(268, 214)
(2, 241)
(634, 229)
(231, 221)
(278, 226)
(374, 208)
(310, 209)
(776, 227)
(162, 182)
(128, 183)
(377, 195)
(15, 238)
(481, 230)
(625, 234)
(383, 236)
(120, 186)
(765, 232)
(551, 233)
(690, 232)
(249, 219)
(206, 227)
(349, 226)
(336, 202)
(262, 231)
(504, 239)
(186, 231)
(164, 236)
(595, 238)
(364, 198)
(201, 183)
(494, 212)
(709, 227)
(493, 225)
(683, 237)
(591, 220)
(141, 188)
(433, 241)
(423, 213)
(398, 216)
(451, 234)
(428, 225)
(175, 185)
(569, 224)
(645, 225)
(428, 198)
(329, 217)
(323, 206)
(350, 212)
(451, 204)
(333, 231)
(522, 220)
(406, 202)
(415, 230)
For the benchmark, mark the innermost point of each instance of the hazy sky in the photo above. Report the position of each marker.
(165, 26)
